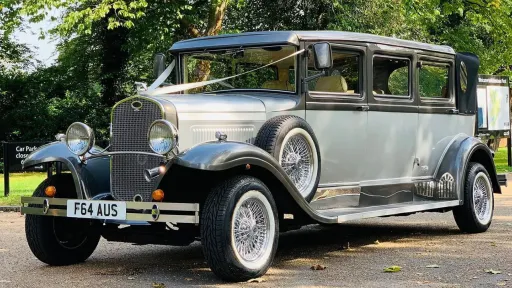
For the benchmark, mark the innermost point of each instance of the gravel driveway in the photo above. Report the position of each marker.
(412, 242)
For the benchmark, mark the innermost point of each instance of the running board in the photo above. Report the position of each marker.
(348, 214)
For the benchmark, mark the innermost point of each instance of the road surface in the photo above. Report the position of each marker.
(412, 242)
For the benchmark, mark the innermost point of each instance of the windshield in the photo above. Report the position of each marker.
(217, 64)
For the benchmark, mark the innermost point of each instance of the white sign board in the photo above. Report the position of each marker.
(498, 108)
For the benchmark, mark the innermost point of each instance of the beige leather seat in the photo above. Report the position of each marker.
(334, 83)
(277, 85)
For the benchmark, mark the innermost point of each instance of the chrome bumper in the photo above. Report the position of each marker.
(135, 211)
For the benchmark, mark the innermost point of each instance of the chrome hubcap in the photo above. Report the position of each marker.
(251, 229)
(298, 161)
(482, 198)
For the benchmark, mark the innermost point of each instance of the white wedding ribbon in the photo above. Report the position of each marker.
(162, 76)
(188, 86)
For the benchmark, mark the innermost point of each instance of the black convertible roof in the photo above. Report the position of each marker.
(293, 38)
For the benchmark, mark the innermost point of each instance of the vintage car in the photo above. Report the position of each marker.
(265, 132)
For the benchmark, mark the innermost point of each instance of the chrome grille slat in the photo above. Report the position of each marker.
(129, 133)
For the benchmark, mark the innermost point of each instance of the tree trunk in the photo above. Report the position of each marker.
(215, 17)
(114, 59)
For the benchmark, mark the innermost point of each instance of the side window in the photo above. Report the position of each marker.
(343, 77)
(391, 76)
(433, 81)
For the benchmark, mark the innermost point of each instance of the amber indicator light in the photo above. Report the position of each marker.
(50, 191)
(158, 195)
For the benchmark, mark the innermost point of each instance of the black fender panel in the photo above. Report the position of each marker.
(465, 149)
(224, 155)
(91, 178)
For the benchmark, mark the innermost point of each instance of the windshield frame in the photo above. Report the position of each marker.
(181, 66)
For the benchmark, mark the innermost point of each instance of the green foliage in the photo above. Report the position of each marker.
(399, 81)
(107, 45)
(433, 81)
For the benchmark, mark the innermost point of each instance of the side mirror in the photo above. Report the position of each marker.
(322, 54)
(158, 64)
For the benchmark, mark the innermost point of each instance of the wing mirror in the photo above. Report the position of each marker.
(322, 55)
(323, 60)
(158, 64)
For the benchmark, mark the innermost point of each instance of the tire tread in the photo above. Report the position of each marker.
(213, 238)
(42, 243)
(464, 214)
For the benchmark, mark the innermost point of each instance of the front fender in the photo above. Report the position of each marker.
(91, 178)
(224, 155)
(457, 157)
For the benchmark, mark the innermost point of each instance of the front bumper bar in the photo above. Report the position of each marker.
(135, 211)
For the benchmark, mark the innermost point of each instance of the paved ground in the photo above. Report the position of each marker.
(412, 242)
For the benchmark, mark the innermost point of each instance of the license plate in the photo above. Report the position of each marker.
(96, 209)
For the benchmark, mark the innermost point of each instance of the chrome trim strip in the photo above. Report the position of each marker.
(122, 152)
(388, 196)
(337, 185)
(378, 182)
(164, 206)
(347, 185)
(39, 211)
(39, 200)
(140, 215)
(192, 219)
(407, 208)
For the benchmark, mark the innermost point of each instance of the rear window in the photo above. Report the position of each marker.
(391, 76)
(433, 81)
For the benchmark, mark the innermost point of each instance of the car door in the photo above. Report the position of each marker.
(336, 109)
(392, 124)
(439, 120)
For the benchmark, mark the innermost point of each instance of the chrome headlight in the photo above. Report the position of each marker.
(79, 138)
(162, 136)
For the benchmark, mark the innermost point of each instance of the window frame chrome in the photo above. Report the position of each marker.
(360, 51)
(181, 67)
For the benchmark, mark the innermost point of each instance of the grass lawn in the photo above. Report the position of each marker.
(500, 160)
(21, 184)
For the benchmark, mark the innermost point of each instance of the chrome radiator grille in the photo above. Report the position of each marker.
(129, 133)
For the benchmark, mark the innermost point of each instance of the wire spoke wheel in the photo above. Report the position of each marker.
(251, 229)
(482, 198)
(298, 159)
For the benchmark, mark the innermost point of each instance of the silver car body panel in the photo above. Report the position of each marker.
(435, 133)
(342, 138)
(391, 145)
(240, 116)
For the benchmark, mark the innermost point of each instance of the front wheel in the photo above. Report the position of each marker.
(61, 240)
(239, 229)
(475, 215)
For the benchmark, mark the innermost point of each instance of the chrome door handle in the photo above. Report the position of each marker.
(454, 111)
(363, 108)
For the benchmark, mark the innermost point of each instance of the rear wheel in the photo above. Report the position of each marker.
(61, 240)
(475, 215)
(239, 229)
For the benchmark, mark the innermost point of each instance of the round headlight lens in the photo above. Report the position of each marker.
(79, 138)
(163, 136)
